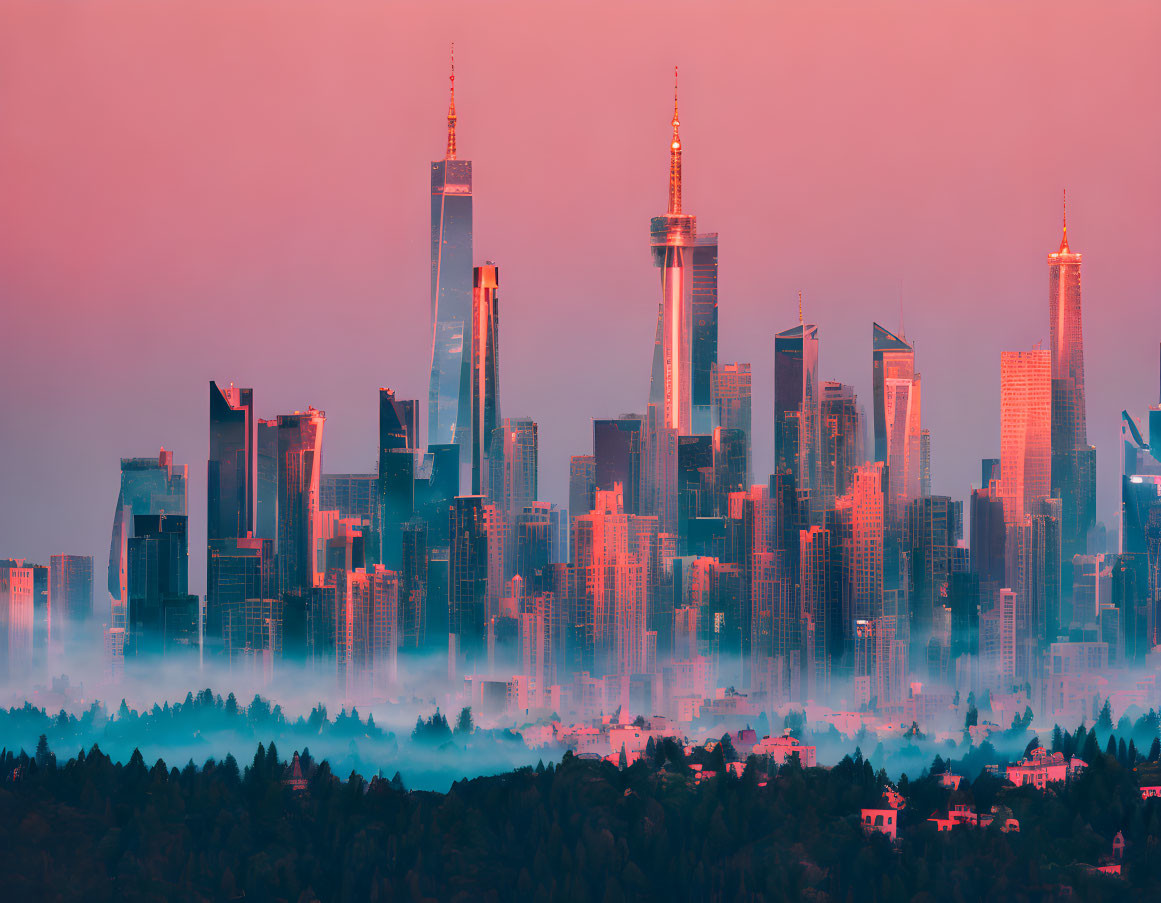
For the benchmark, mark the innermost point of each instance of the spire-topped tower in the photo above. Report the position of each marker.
(1064, 219)
(675, 156)
(451, 110)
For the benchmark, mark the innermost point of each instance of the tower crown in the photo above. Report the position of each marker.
(675, 156)
(451, 110)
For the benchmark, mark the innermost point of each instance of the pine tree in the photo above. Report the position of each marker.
(1155, 750)
(1105, 718)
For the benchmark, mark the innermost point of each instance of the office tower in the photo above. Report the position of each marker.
(366, 645)
(17, 617)
(468, 580)
(902, 413)
(929, 539)
(856, 526)
(448, 415)
(673, 238)
(988, 539)
(514, 465)
(413, 586)
(162, 615)
(148, 486)
(659, 474)
(252, 631)
(730, 468)
(704, 338)
(730, 402)
(241, 571)
(998, 640)
(617, 450)
(1073, 459)
(437, 483)
(776, 642)
(963, 598)
(796, 407)
(582, 484)
(695, 476)
(1034, 575)
(533, 542)
(989, 470)
(484, 377)
(397, 452)
(230, 471)
(821, 611)
(300, 437)
(70, 587)
(355, 496)
(891, 358)
(266, 501)
(1025, 431)
(842, 440)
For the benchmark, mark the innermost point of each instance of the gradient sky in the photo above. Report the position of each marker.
(196, 190)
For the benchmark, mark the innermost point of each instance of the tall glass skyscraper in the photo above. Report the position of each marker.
(1073, 459)
(448, 403)
(891, 358)
(796, 406)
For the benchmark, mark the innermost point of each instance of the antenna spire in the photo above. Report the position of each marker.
(451, 110)
(1064, 219)
(800, 307)
(675, 156)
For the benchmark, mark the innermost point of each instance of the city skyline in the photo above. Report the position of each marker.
(957, 420)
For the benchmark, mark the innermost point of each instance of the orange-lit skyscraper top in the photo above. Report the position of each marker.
(673, 238)
(1064, 317)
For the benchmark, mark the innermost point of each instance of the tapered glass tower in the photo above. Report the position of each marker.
(448, 408)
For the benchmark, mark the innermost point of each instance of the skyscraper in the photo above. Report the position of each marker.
(70, 586)
(891, 358)
(796, 407)
(514, 466)
(468, 580)
(448, 417)
(1073, 459)
(704, 340)
(397, 453)
(484, 378)
(673, 237)
(162, 616)
(1025, 432)
(300, 437)
(730, 402)
(841, 429)
(148, 486)
(617, 448)
(230, 471)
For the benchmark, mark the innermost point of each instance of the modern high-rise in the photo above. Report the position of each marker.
(70, 587)
(1073, 459)
(617, 448)
(162, 616)
(148, 486)
(397, 458)
(582, 484)
(448, 417)
(797, 434)
(841, 428)
(514, 466)
(468, 580)
(1025, 431)
(300, 438)
(673, 240)
(230, 471)
(891, 358)
(230, 481)
(730, 402)
(484, 376)
(704, 339)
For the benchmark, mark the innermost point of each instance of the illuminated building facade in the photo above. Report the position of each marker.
(797, 436)
(730, 402)
(484, 378)
(1025, 431)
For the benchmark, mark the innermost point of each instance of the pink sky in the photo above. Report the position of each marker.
(238, 190)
